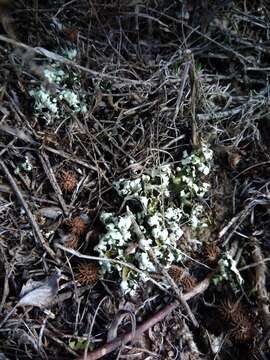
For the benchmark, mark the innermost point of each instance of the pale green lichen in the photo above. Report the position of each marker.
(228, 271)
(24, 166)
(71, 98)
(54, 75)
(51, 104)
(71, 54)
(169, 197)
(43, 101)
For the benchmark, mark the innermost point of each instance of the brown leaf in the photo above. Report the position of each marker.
(234, 159)
(131, 248)
(71, 34)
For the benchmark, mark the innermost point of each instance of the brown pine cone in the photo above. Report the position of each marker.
(67, 181)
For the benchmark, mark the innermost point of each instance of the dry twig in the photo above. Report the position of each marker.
(56, 57)
(260, 274)
(41, 242)
(157, 317)
(96, 258)
(50, 174)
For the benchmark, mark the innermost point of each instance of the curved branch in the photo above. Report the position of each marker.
(157, 317)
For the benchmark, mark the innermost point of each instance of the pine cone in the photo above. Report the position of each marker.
(67, 181)
(77, 226)
(87, 274)
(211, 253)
(239, 322)
(177, 273)
(242, 329)
(188, 283)
(228, 309)
(72, 241)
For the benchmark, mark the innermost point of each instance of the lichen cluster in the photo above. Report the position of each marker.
(24, 166)
(228, 271)
(168, 198)
(57, 92)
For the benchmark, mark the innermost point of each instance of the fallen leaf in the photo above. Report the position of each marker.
(51, 212)
(26, 339)
(234, 159)
(3, 356)
(21, 134)
(71, 34)
(40, 293)
(5, 189)
(112, 332)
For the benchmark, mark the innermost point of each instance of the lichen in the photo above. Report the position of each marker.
(169, 197)
(228, 271)
(52, 103)
(24, 166)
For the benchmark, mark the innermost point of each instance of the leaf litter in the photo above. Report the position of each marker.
(96, 97)
(40, 293)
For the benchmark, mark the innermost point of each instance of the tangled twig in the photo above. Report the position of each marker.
(157, 317)
(41, 242)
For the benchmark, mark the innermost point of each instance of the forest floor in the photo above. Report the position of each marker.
(134, 179)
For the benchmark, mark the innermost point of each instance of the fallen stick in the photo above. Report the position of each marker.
(63, 60)
(261, 283)
(157, 317)
(51, 176)
(40, 241)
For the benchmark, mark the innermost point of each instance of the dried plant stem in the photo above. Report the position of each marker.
(41, 242)
(97, 258)
(9, 314)
(234, 223)
(5, 290)
(174, 286)
(181, 91)
(157, 317)
(56, 57)
(20, 134)
(221, 114)
(194, 99)
(260, 274)
(187, 336)
(50, 174)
